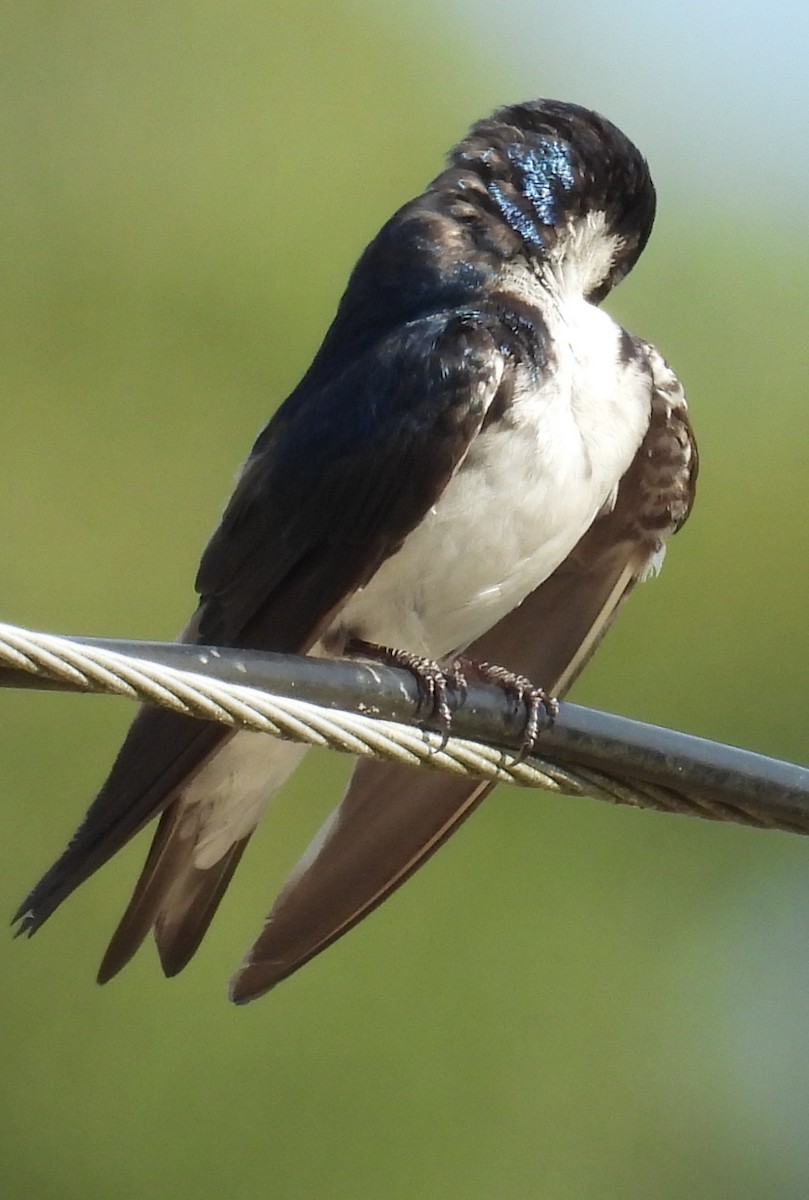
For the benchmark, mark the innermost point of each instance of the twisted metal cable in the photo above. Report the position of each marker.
(88, 668)
(586, 753)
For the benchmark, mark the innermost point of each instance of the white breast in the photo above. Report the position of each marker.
(529, 488)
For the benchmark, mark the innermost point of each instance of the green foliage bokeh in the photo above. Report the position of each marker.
(569, 1001)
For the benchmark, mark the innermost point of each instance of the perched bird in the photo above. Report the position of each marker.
(479, 460)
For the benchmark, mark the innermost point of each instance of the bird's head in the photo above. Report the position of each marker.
(570, 192)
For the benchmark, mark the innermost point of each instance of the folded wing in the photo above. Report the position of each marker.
(335, 483)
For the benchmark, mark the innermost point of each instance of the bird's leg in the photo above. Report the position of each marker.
(519, 689)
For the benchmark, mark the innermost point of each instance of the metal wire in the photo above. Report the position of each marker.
(368, 709)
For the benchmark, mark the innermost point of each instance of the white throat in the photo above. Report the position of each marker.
(583, 257)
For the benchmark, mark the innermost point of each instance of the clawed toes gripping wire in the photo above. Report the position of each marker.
(535, 700)
(433, 682)
(368, 709)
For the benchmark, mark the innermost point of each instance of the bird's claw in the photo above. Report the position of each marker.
(522, 691)
(434, 682)
(437, 683)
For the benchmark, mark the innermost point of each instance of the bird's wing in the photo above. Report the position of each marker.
(335, 483)
(393, 817)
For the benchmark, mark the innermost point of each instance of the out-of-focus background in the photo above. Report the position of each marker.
(570, 1001)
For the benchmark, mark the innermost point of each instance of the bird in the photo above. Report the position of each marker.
(477, 467)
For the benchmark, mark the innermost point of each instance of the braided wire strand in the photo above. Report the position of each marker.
(91, 669)
(763, 793)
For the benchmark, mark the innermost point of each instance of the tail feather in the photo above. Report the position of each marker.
(172, 895)
(197, 846)
(160, 752)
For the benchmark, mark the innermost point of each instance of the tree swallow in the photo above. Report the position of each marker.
(479, 460)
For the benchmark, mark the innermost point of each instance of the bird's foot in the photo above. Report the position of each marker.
(434, 681)
(437, 683)
(536, 701)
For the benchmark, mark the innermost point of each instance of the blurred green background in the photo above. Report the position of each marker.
(570, 1001)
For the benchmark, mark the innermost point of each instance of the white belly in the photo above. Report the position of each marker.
(530, 486)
